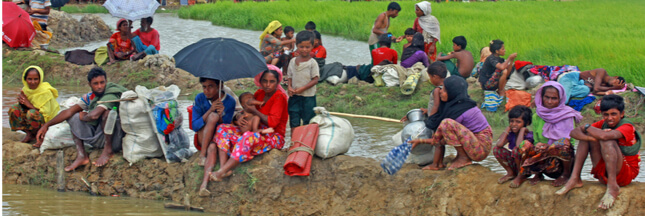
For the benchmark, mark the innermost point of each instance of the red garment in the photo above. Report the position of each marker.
(627, 130)
(319, 52)
(275, 109)
(149, 38)
(521, 64)
(627, 173)
(119, 44)
(384, 53)
(416, 27)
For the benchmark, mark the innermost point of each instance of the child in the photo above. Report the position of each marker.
(465, 62)
(384, 52)
(409, 35)
(303, 75)
(437, 72)
(318, 51)
(253, 121)
(483, 54)
(287, 41)
(310, 26)
(494, 74)
(519, 118)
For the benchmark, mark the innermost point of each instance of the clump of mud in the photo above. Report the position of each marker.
(69, 32)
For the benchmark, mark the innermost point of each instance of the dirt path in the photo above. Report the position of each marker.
(341, 185)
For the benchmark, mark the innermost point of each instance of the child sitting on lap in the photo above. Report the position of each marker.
(252, 121)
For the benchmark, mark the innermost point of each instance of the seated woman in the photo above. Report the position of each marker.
(414, 53)
(271, 45)
(36, 104)
(458, 123)
(242, 147)
(552, 152)
(120, 46)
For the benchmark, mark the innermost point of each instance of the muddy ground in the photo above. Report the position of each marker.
(340, 185)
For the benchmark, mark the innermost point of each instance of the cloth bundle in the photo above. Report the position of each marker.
(579, 104)
(491, 100)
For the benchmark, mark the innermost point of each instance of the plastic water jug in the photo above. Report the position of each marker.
(110, 122)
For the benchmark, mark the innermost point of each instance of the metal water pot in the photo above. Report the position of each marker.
(422, 154)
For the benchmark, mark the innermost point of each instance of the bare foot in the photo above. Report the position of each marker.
(434, 167)
(202, 161)
(560, 181)
(38, 144)
(203, 192)
(507, 177)
(518, 181)
(80, 160)
(216, 176)
(501, 92)
(28, 138)
(103, 159)
(571, 184)
(608, 199)
(111, 62)
(459, 163)
(536, 179)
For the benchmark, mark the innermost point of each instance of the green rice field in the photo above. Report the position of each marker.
(590, 34)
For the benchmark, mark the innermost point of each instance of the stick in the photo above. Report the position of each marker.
(60, 173)
(120, 100)
(366, 117)
(179, 206)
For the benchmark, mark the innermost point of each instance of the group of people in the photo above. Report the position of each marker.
(127, 45)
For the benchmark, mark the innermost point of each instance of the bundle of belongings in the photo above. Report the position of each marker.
(84, 57)
(395, 75)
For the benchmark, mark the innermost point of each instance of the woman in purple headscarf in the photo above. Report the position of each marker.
(552, 152)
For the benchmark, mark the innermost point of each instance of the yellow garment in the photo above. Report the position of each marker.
(101, 55)
(274, 25)
(43, 97)
(42, 37)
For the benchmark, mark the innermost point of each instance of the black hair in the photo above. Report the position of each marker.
(394, 6)
(409, 31)
(288, 29)
(549, 87)
(621, 79)
(310, 26)
(438, 68)
(385, 39)
(496, 45)
(523, 112)
(96, 72)
(275, 73)
(149, 20)
(317, 34)
(30, 70)
(460, 41)
(612, 101)
(244, 95)
(305, 36)
(204, 79)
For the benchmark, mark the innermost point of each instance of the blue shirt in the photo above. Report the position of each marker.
(202, 104)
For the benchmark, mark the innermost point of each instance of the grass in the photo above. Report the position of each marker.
(587, 33)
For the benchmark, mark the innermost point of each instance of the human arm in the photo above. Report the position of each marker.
(22, 99)
(155, 40)
(290, 90)
(579, 134)
(437, 101)
(503, 139)
(607, 134)
(45, 10)
(520, 135)
(446, 57)
(310, 84)
(92, 115)
(379, 24)
(62, 116)
(274, 109)
(504, 65)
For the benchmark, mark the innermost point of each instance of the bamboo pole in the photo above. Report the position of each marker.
(366, 117)
(120, 100)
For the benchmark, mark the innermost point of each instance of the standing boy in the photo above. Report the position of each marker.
(310, 26)
(382, 24)
(613, 144)
(465, 62)
(302, 77)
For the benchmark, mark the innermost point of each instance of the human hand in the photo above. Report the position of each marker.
(512, 56)
(404, 119)
(440, 53)
(266, 131)
(41, 133)
(424, 110)
(291, 91)
(541, 147)
(81, 115)
(415, 142)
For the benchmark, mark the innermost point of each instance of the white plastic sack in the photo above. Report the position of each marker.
(140, 140)
(58, 136)
(516, 81)
(391, 77)
(534, 81)
(334, 80)
(335, 135)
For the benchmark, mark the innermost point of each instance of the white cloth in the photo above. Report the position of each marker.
(428, 23)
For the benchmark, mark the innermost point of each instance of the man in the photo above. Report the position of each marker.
(211, 108)
(87, 119)
(613, 144)
(600, 83)
(382, 24)
(146, 39)
(39, 11)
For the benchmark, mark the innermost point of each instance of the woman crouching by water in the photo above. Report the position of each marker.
(458, 123)
(242, 147)
(36, 104)
(552, 152)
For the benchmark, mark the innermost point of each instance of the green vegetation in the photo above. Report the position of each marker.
(587, 33)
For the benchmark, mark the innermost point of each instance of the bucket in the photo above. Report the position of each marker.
(415, 115)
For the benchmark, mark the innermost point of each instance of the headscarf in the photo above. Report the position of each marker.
(274, 25)
(428, 23)
(458, 102)
(485, 52)
(417, 44)
(557, 120)
(118, 23)
(43, 97)
(271, 67)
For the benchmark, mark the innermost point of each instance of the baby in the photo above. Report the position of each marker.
(252, 121)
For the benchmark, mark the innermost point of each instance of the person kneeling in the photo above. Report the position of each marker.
(613, 144)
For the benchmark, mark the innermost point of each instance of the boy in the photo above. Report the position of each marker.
(318, 51)
(384, 52)
(465, 62)
(303, 75)
(613, 144)
(518, 118)
(600, 83)
(310, 26)
(382, 24)
(437, 72)
(288, 35)
(409, 34)
(252, 121)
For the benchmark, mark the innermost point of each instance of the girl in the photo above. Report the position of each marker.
(519, 117)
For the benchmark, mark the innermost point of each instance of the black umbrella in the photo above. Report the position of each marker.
(220, 58)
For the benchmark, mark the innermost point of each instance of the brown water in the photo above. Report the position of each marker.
(36, 200)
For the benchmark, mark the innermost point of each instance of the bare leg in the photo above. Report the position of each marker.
(536, 179)
(437, 161)
(255, 124)
(81, 156)
(208, 131)
(510, 173)
(613, 160)
(107, 148)
(223, 157)
(111, 56)
(574, 180)
(462, 159)
(29, 137)
(225, 170)
(502, 82)
(566, 173)
(517, 182)
(208, 168)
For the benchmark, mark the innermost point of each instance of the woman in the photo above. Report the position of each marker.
(243, 147)
(428, 25)
(36, 104)
(552, 152)
(414, 53)
(458, 123)
(120, 47)
(270, 43)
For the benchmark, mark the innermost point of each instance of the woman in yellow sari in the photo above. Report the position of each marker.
(36, 104)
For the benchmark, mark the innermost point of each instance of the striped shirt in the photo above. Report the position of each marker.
(40, 4)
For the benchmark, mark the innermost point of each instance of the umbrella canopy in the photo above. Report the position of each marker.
(131, 9)
(17, 29)
(220, 58)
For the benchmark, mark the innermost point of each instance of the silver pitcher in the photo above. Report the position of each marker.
(416, 128)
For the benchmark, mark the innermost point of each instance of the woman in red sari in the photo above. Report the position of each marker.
(428, 26)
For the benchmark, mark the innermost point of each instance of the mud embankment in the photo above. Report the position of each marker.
(341, 185)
